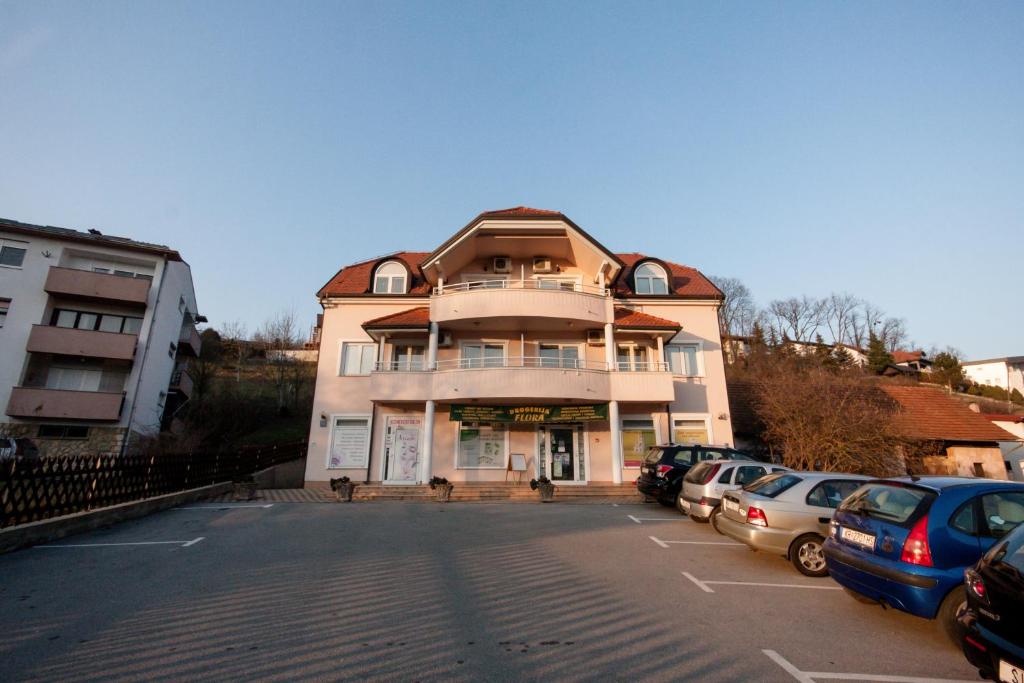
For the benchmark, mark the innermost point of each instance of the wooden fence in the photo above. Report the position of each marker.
(39, 488)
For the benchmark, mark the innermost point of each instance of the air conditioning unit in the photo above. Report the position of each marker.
(541, 264)
(444, 340)
(595, 337)
(502, 264)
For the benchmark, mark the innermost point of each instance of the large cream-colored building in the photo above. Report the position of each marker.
(520, 341)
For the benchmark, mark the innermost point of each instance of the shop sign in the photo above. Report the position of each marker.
(585, 413)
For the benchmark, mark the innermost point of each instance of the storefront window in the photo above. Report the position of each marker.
(481, 446)
(690, 431)
(637, 437)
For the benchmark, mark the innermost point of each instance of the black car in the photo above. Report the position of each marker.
(992, 626)
(661, 475)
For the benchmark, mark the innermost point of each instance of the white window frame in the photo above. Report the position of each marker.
(382, 438)
(341, 356)
(377, 272)
(700, 356)
(504, 278)
(638, 416)
(576, 280)
(706, 417)
(15, 244)
(581, 351)
(508, 440)
(650, 278)
(396, 347)
(5, 309)
(581, 441)
(639, 356)
(330, 436)
(503, 343)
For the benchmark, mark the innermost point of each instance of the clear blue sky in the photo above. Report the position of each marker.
(875, 148)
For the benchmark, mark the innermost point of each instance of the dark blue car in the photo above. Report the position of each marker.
(906, 542)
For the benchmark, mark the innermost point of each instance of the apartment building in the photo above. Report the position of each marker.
(96, 333)
(520, 340)
(1006, 373)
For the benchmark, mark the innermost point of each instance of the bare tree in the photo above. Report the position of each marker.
(865, 320)
(893, 333)
(236, 345)
(798, 319)
(275, 337)
(738, 312)
(840, 310)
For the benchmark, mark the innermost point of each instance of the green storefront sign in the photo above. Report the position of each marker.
(587, 413)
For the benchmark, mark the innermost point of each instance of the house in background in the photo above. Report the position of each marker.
(96, 333)
(520, 335)
(1006, 373)
(1012, 445)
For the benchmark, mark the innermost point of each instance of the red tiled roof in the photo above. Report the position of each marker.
(626, 318)
(355, 279)
(995, 417)
(906, 356)
(686, 281)
(928, 413)
(413, 317)
(518, 212)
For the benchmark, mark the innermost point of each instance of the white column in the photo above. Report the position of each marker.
(380, 351)
(440, 284)
(428, 442)
(432, 347)
(613, 419)
(661, 352)
(609, 345)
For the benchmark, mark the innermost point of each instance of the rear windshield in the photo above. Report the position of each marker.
(654, 456)
(697, 472)
(887, 502)
(772, 485)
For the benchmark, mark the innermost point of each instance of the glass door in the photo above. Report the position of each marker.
(562, 454)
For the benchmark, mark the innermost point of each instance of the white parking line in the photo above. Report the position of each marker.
(183, 544)
(641, 520)
(811, 676)
(223, 507)
(706, 585)
(665, 544)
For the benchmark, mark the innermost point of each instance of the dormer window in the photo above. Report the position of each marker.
(390, 278)
(650, 278)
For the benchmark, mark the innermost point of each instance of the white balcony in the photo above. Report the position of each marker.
(489, 299)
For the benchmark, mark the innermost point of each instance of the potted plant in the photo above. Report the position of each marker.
(343, 488)
(442, 488)
(243, 488)
(545, 487)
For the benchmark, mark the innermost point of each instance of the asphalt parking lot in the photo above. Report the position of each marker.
(420, 592)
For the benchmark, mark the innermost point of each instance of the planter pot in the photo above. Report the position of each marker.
(343, 492)
(243, 490)
(546, 491)
(444, 492)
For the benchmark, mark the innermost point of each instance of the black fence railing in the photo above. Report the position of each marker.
(32, 489)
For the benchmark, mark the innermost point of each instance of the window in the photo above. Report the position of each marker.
(772, 485)
(104, 322)
(684, 456)
(896, 504)
(481, 446)
(684, 359)
(650, 278)
(408, 357)
(690, 431)
(559, 356)
(965, 520)
(350, 441)
(748, 473)
(829, 494)
(483, 356)
(631, 358)
(74, 378)
(357, 359)
(62, 432)
(553, 283)
(5, 304)
(12, 254)
(389, 278)
(1002, 512)
(637, 438)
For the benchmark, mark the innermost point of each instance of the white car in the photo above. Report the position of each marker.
(704, 484)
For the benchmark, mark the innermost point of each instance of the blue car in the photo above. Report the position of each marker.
(905, 542)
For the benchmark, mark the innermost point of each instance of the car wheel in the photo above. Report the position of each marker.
(863, 599)
(701, 520)
(715, 514)
(950, 608)
(807, 556)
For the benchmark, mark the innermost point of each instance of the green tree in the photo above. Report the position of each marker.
(946, 370)
(879, 357)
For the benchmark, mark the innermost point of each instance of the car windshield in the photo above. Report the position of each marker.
(888, 502)
(772, 485)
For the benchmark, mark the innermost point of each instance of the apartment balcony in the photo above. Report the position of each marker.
(509, 379)
(189, 341)
(89, 343)
(473, 301)
(57, 404)
(87, 285)
(182, 382)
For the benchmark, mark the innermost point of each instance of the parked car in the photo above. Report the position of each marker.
(788, 513)
(704, 484)
(992, 626)
(11, 446)
(661, 476)
(906, 542)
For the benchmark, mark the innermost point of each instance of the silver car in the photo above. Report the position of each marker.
(705, 483)
(788, 514)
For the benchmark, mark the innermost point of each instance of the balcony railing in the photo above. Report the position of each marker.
(86, 284)
(552, 285)
(66, 341)
(417, 365)
(60, 404)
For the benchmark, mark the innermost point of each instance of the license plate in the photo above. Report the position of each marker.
(858, 538)
(1008, 673)
(730, 504)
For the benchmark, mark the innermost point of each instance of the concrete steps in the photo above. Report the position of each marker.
(598, 492)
